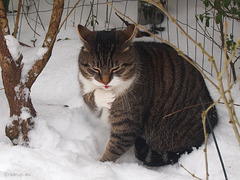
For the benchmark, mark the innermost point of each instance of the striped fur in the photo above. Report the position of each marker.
(157, 82)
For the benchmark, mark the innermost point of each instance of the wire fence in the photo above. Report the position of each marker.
(96, 14)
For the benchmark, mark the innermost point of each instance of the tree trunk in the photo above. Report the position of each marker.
(3, 19)
(18, 96)
(17, 91)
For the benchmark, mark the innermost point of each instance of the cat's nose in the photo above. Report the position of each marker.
(105, 79)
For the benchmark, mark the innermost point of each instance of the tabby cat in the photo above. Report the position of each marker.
(140, 85)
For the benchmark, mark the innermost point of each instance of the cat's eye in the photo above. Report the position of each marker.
(126, 64)
(115, 69)
(126, 49)
(85, 64)
(97, 70)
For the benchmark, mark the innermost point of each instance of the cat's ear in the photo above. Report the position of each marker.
(128, 34)
(84, 33)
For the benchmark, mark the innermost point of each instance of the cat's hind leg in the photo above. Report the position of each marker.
(141, 149)
(150, 157)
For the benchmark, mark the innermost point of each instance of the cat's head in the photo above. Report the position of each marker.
(107, 58)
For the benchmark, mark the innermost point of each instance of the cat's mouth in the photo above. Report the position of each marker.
(106, 86)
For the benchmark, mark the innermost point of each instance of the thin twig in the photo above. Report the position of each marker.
(139, 33)
(193, 175)
(23, 44)
(214, 137)
(106, 22)
(60, 105)
(187, 107)
(233, 117)
(64, 22)
(25, 15)
(192, 106)
(228, 59)
(205, 142)
(89, 15)
(39, 17)
(209, 37)
(236, 59)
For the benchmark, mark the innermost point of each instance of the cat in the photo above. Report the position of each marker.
(139, 85)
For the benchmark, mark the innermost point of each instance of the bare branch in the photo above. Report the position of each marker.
(39, 17)
(49, 40)
(185, 108)
(67, 17)
(193, 175)
(25, 15)
(4, 52)
(17, 18)
(229, 103)
(139, 33)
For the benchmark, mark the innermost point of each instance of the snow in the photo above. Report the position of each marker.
(68, 141)
(30, 56)
(13, 46)
(25, 113)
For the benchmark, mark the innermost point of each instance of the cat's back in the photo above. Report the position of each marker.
(143, 47)
(152, 48)
(164, 63)
(166, 70)
(169, 80)
(158, 53)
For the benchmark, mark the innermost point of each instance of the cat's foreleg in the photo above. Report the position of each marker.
(99, 99)
(103, 98)
(123, 135)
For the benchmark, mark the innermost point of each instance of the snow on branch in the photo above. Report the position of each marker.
(13, 46)
(48, 42)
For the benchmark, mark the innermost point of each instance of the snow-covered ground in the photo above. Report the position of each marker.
(67, 142)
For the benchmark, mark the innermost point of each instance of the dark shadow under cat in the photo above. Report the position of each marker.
(137, 84)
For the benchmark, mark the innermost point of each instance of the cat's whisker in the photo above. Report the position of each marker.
(130, 91)
(127, 102)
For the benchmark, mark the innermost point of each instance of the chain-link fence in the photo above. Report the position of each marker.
(97, 15)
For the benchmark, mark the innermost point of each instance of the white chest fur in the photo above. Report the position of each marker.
(104, 97)
(104, 117)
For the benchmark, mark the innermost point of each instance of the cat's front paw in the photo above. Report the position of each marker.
(104, 98)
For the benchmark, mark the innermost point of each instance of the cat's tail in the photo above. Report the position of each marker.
(150, 157)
